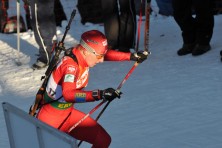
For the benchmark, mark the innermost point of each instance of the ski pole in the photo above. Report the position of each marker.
(135, 64)
(87, 115)
(118, 90)
(147, 26)
(97, 118)
(139, 26)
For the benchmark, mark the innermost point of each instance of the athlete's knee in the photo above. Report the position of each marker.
(102, 140)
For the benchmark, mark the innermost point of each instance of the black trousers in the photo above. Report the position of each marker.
(197, 28)
(44, 26)
(120, 24)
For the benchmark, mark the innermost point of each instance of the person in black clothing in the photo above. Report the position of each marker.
(196, 31)
(120, 24)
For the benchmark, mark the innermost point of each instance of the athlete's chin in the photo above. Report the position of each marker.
(92, 65)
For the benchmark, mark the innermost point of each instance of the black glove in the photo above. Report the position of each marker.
(139, 56)
(109, 94)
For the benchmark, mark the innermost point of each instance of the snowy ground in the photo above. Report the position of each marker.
(168, 101)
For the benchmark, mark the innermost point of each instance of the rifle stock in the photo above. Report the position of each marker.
(38, 99)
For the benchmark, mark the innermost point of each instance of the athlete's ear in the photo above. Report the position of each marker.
(85, 52)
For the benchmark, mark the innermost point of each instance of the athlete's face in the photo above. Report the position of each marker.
(93, 58)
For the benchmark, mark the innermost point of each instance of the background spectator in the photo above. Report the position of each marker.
(196, 30)
(44, 28)
(120, 24)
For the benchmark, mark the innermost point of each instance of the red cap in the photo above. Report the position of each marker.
(94, 40)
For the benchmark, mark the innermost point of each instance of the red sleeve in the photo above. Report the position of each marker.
(113, 55)
(77, 96)
(70, 72)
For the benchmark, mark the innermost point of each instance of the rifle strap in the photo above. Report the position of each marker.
(69, 53)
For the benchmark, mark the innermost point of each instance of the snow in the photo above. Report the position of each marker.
(168, 102)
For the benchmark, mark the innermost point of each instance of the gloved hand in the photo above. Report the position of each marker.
(139, 56)
(107, 94)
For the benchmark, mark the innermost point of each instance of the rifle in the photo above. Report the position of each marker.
(54, 60)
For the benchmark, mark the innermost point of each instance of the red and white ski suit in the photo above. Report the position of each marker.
(68, 80)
